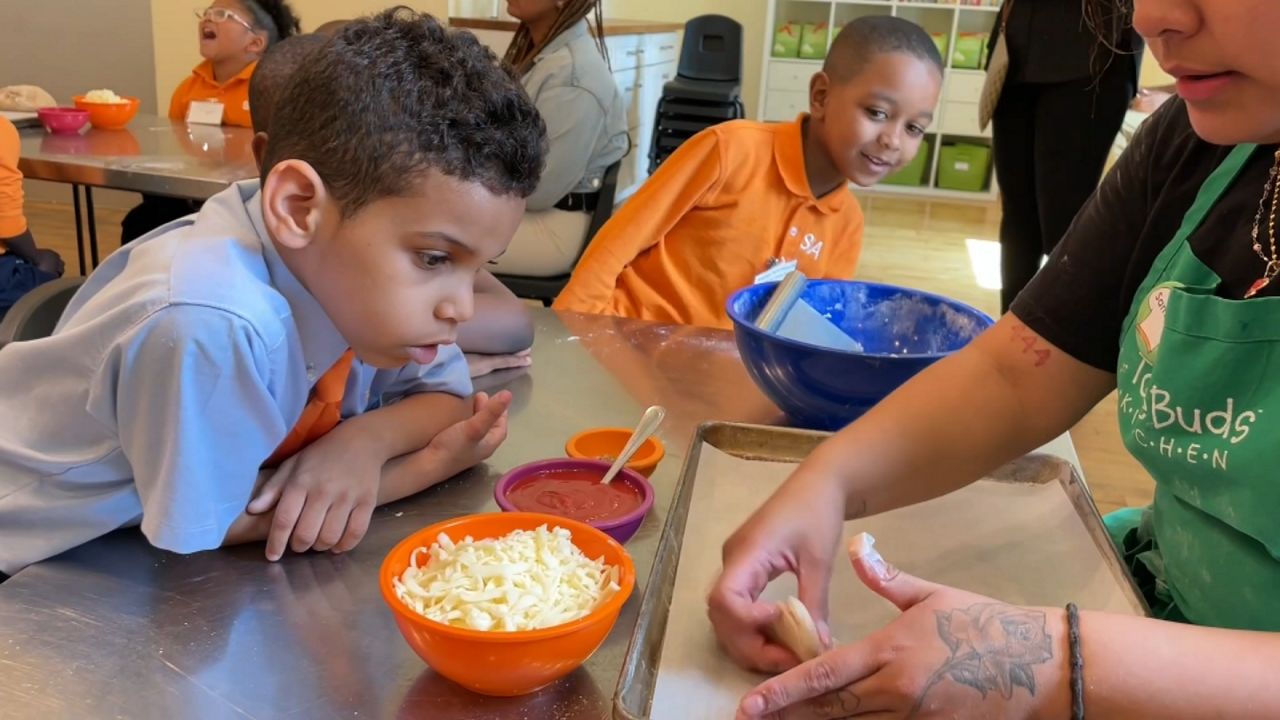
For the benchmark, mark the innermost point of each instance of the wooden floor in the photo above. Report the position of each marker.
(910, 242)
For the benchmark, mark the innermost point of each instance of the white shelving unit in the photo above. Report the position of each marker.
(786, 80)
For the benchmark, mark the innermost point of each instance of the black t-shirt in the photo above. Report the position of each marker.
(1080, 299)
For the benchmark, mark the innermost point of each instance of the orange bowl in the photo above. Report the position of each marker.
(108, 116)
(607, 443)
(506, 663)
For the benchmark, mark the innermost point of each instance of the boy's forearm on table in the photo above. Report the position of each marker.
(401, 477)
(500, 326)
(413, 473)
(410, 423)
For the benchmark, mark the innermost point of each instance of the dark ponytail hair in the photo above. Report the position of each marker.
(275, 18)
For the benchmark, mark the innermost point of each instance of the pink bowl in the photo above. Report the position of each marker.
(620, 529)
(63, 120)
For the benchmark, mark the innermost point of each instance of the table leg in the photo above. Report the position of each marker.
(75, 202)
(93, 225)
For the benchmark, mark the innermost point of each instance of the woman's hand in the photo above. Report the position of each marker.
(797, 531)
(951, 654)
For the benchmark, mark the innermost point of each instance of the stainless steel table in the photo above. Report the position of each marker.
(153, 155)
(119, 629)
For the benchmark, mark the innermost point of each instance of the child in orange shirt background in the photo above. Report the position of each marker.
(233, 35)
(742, 197)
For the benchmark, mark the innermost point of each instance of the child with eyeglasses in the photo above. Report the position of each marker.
(233, 36)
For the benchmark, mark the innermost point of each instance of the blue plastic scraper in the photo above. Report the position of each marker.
(791, 317)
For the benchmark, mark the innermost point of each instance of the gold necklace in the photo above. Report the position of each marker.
(1272, 190)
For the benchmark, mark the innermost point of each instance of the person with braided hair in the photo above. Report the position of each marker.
(233, 36)
(565, 70)
(1073, 69)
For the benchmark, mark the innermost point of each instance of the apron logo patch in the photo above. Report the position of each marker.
(1149, 324)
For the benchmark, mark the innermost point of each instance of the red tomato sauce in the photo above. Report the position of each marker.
(577, 495)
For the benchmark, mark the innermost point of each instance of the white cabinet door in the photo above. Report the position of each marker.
(785, 105)
(961, 118)
(652, 79)
(624, 51)
(659, 48)
(628, 82)
(792, 76)
(964, 86)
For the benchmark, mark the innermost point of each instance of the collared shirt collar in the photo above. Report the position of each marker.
(788, 150)
(205, 71)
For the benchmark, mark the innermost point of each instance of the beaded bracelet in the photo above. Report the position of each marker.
(1077, 662)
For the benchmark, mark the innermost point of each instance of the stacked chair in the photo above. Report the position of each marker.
(707, 88)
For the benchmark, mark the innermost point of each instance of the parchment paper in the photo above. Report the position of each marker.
(1023, 544)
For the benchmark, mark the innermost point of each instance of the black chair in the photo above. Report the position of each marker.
(36, 314)
(546, 289)
(707, 88)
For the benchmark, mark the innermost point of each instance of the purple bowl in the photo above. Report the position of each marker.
(620, 529)
(62, 120)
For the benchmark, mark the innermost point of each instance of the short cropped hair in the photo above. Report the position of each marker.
(867, 37)
(395, 95)
(271, 75)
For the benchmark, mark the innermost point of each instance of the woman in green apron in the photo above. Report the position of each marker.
(1165, 290)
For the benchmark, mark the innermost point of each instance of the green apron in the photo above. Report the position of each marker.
(1199, 381)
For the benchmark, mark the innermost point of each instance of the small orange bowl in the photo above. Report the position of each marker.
(506, 663)
(607, 444)
(108, 116)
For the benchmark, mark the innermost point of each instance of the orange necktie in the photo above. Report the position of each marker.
(322, 413)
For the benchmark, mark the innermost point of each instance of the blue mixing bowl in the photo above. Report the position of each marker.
(901, 331)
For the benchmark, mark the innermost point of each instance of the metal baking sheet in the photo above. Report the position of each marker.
(1029, 534)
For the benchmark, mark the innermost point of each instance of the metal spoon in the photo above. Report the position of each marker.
(648, 424)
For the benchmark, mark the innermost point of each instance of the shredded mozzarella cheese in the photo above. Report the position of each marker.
(525, 580)
(103, 96)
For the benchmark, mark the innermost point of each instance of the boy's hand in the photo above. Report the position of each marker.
(324, 496)
(473, 440)
(50, 262)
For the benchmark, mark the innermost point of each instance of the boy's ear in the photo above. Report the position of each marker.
(293, 203)
(259, 146)
(819, 85)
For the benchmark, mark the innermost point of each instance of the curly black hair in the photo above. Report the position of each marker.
(275, 18)
(396, 94)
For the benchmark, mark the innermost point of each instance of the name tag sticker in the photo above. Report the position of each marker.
(205, 112)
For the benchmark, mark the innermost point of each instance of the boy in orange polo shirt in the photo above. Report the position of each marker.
(742, 197)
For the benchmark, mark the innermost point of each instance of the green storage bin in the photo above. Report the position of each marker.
(964, 167)
(786, 41)
(813, 41)
(943, 41)
(913, 173)
(967, 53)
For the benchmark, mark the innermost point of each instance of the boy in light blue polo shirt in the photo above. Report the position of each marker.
(397, 166)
